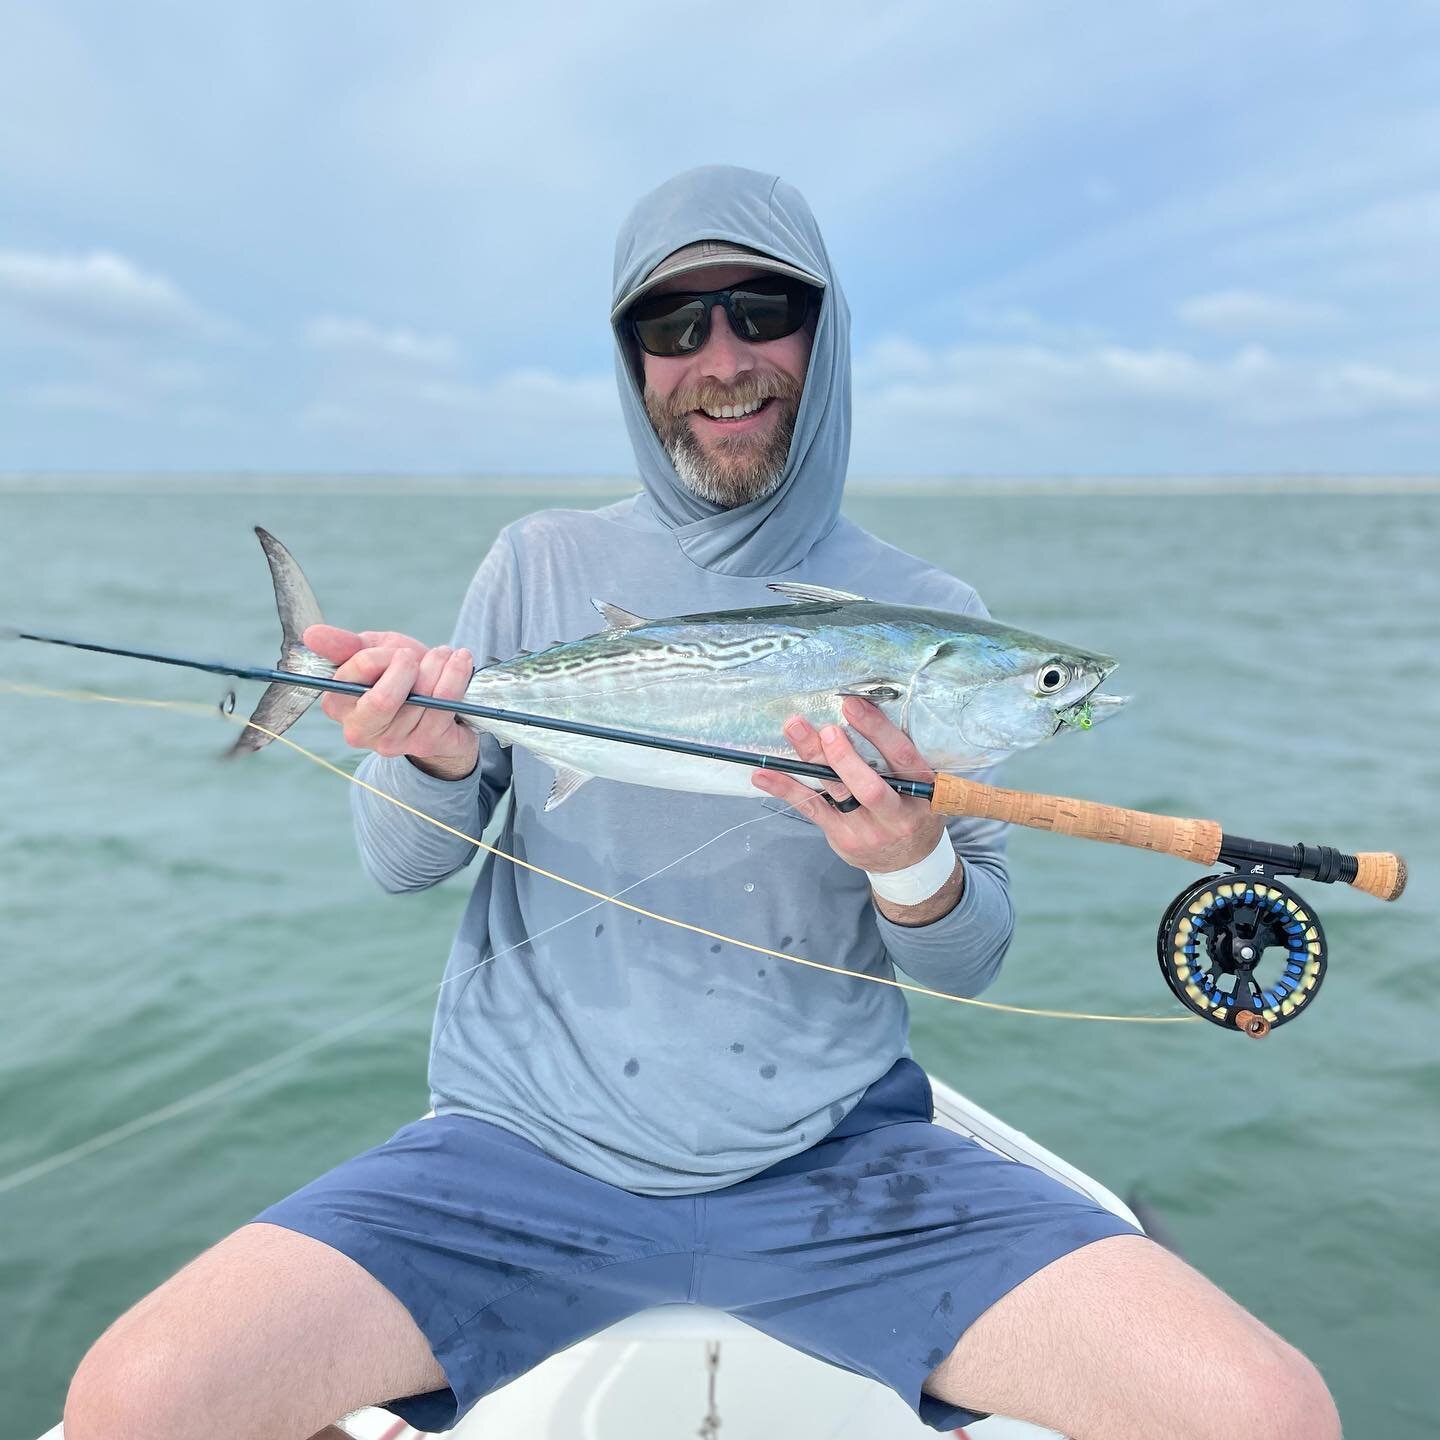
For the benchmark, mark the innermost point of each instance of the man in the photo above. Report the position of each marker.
(629, 1114)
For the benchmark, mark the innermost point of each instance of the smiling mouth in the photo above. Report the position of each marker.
(735, 414)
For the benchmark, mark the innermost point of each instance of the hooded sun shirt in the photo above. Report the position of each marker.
(658, 1059)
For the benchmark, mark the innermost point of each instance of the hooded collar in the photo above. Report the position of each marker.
(762, 212)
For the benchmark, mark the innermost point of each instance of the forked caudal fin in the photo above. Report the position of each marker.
(282, 705)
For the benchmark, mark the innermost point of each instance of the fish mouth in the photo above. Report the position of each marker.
(1089, 710)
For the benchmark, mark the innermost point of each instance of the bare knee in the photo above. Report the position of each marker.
(120, 1392)
(1282, 1397)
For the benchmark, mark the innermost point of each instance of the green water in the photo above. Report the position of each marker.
(167, 922)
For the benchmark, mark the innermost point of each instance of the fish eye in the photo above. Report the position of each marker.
(1052, 676)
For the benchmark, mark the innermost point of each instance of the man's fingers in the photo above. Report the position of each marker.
(392, 640)
(405, 733)
(806, 740)
(895, 746)
(810, 803)
(435, 731)
(333, 643)
(379, 706)
(865, 785)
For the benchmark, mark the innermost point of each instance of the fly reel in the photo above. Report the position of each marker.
(1242, 951)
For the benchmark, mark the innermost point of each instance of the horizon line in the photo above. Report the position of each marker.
(459, 482)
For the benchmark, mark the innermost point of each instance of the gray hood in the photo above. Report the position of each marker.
(770, 536)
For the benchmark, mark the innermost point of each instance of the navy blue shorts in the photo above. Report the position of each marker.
(874, 1249)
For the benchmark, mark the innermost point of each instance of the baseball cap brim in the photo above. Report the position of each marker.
(702, 255)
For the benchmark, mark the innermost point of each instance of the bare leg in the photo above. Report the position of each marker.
(1120, 1340)
(269, 1335)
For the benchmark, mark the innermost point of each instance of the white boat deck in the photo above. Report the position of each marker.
(648, 1377)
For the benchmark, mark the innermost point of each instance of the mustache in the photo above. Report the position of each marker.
(748, 389)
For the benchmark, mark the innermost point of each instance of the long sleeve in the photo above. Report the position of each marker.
(399, 850)
(961, 952)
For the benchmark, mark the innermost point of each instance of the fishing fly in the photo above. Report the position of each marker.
(658, 702)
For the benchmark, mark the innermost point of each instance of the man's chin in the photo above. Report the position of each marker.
(727, 479)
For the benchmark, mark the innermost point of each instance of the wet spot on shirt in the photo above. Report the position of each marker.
(934, 1357)
(945, 1304)
(603, 1241)
(715, 949)
(760, 973)
(767, 1072)
(632, 1066)
(600, 928)
(837, 1113)
(710, 992)
(737, 1048)
(571, 1300)
(784, 941)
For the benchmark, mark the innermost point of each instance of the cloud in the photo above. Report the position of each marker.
(124, 388)
(360, 340)
(98, 296)
(1252, 312)
(78, 397)
(525, 420)
(1011, 386)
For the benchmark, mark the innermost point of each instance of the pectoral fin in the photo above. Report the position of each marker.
(877, 693)
(567, 782)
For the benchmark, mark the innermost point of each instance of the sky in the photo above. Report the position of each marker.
(1128, 239)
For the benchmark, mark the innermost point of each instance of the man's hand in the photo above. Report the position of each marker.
(888, 831)
(395, 666)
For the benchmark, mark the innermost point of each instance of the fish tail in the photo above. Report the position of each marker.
(282, 705)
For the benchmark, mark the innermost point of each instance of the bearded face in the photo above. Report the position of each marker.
(725, 412)
(729, 442)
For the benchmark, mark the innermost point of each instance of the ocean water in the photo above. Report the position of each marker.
(185, 937)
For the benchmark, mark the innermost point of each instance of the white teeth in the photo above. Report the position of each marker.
(733, 412)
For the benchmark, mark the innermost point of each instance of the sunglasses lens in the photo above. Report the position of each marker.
(665, 327)
(769, 310)
(763, 309)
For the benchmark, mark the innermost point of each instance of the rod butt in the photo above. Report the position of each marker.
(1381, 874)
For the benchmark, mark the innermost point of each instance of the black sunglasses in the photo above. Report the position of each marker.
(769, 307)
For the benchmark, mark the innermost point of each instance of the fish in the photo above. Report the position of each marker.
(968, 691)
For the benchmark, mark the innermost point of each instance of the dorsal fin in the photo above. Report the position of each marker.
(793, 590)
(616, 616)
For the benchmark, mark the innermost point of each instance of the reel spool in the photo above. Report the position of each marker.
(1242, 951)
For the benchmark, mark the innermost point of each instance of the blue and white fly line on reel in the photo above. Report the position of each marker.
(1242, 951)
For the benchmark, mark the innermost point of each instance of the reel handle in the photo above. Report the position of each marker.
(1377, 873)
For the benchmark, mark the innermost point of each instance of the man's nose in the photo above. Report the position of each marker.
(725, 355)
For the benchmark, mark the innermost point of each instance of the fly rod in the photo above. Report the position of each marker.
(1211, 939)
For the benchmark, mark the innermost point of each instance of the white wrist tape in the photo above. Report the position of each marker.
(919, 881)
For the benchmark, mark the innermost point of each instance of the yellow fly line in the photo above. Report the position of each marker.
(17, 688)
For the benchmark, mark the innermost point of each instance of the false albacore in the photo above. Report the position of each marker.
(968, 691)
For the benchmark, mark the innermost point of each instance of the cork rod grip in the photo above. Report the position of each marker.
(1197, 840)
(1380, 874)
